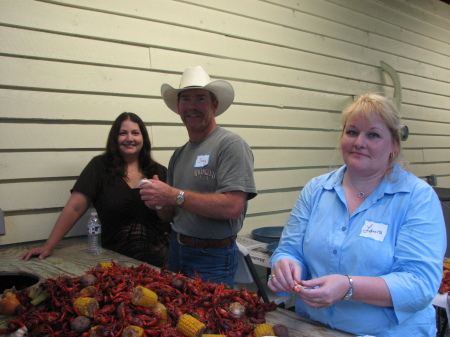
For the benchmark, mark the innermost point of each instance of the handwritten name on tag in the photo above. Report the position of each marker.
(374, 230)
(202, 160)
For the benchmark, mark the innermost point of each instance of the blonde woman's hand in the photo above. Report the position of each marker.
(285, 274)
(323, 291)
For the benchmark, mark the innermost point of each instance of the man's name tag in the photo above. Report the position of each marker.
(374, 230)
(202, 160)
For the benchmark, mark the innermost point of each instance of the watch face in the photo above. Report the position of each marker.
(180, 198)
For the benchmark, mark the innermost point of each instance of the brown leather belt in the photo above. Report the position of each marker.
(204, 243)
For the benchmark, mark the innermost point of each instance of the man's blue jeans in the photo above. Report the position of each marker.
(215, 265)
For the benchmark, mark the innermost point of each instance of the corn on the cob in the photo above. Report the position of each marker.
(104, 265)
(263, 330)
(132, 331)
(190, 326)
(144, 297)
(86, 306)
(161, 310)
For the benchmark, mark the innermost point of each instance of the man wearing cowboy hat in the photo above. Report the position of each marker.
(210, 179)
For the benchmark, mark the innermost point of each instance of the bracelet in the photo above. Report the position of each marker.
(349, 294)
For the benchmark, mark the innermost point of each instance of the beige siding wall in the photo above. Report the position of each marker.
(69, 68)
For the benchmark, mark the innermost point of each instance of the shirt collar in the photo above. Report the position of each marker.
(335, 178)
(395, 183)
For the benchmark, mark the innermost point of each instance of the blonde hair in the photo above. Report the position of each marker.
(372, 105)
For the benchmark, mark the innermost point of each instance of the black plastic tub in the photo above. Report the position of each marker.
(20, 280)
(267, 234)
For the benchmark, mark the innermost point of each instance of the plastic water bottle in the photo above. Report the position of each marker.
(94, 232)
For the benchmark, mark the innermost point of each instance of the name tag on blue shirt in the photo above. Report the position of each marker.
(374, 230)
(202, 160)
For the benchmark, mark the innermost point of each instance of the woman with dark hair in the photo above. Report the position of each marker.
(110, 182)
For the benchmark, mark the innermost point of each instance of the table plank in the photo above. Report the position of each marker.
(300, 326)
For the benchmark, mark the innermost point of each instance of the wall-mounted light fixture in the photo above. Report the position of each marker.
(432, 180)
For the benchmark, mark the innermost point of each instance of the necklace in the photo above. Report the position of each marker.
(361, 195)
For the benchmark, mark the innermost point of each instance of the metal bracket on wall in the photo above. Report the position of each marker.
(397, 93)
(397, 85)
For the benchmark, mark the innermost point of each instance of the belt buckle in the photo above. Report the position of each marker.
(178, 239)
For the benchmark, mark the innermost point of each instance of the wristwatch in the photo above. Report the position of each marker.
(180, 198)
(349, 294)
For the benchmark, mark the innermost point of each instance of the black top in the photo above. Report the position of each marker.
(128, 226)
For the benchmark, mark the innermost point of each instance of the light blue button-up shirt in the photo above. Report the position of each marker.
(397, 233)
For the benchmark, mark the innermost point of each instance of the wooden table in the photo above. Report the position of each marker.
(70, 258)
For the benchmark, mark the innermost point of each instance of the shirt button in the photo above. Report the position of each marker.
(344, 228)
(335, 251)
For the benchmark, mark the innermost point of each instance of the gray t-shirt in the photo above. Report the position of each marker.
(222, 162)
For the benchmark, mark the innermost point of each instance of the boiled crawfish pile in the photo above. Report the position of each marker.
(445, 282)
(207, 301)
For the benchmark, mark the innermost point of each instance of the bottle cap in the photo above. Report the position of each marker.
(93, 213)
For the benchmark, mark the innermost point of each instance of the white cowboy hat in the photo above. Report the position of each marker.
(197, 78)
